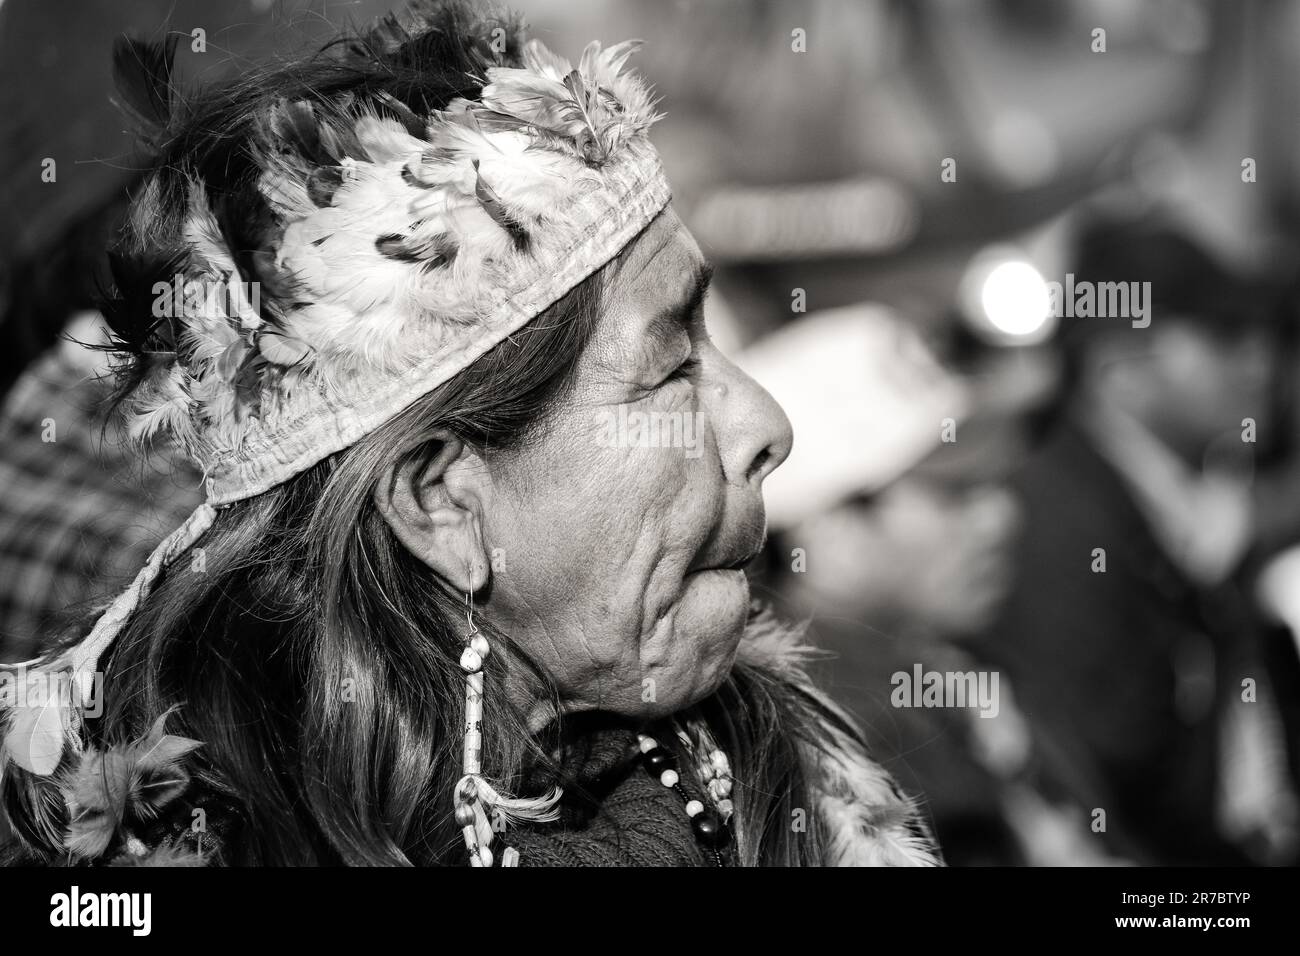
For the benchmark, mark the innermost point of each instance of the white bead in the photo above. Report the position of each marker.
(485, 856)
(648, 744)
(668, 778)
(470, 660)
(694, 808)
(725, 807)
(479, 645)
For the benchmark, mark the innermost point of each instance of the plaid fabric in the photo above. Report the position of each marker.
(78, 516)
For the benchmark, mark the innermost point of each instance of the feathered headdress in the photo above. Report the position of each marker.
(395, 247)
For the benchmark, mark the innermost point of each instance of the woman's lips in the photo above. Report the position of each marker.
(734, 548)
(734, 564)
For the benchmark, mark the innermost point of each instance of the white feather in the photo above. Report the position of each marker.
(356, 309)
(386, 141)
(867, 818)
(538, 58)
(39, 726)
(515, 810)
(162, 404)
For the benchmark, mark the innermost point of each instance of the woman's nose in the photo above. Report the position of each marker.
(754, 434)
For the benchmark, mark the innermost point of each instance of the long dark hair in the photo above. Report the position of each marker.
(318, 659)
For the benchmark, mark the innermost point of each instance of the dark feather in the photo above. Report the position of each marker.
(248, 392)
(340, 140)
(142, 73)
(323, 182)
(294, 124)
(37, 812)
(430, 253)
(411, 179)
(390, 245)
(140, 340)
(495, 208)
(414, 124)
(275, 283)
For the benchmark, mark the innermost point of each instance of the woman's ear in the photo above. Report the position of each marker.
(437, 524)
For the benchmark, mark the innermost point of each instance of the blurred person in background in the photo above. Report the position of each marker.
(1274, 567)
(894, 546)
(1035, 121)
(1125, 633)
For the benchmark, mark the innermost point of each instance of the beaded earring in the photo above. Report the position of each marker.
(473, 796)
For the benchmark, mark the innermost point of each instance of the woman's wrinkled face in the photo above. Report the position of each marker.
(618, 539)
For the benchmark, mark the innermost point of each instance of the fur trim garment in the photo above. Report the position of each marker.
(869, 821)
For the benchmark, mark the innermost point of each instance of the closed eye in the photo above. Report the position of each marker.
(685, 370)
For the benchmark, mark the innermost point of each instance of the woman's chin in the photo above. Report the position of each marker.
(714, 606)
(709, 624)
(691, 651)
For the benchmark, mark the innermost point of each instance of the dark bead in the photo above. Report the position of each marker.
(710, 830)
(657, 760)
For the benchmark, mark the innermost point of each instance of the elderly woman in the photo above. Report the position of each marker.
(468, 585)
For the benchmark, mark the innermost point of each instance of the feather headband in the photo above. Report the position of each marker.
(402, 248)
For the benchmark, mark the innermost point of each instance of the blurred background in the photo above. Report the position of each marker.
(1024, 275)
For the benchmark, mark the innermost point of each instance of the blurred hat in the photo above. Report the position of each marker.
(866, 399)
(1187, 281)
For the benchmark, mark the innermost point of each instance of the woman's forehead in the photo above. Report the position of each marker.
(665, 250)
(658, 273)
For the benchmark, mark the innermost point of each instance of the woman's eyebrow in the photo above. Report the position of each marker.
(699, 289)
(669, 322)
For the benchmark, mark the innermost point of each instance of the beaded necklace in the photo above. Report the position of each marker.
(711, 826)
